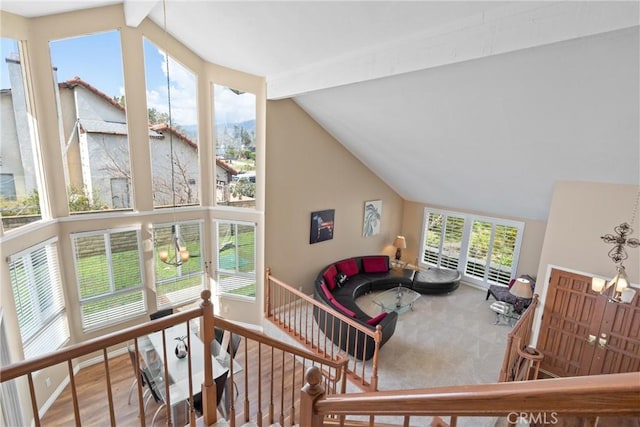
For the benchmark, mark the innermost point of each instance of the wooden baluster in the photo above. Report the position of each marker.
(209, 387)
(192, 412)
(406, 421)
(107, 372)
(292, 410)
(232, 398)
(271, 405)
(310, 393)
(74, 393)
(34, 402)
(139, 383)
(259, 420)
(246, 380)
(167, 394)
(282, 391)
(453, 421)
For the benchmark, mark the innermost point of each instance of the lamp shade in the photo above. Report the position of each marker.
(400, 242)
(521, 288)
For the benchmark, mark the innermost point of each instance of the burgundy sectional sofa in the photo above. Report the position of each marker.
(364, 274)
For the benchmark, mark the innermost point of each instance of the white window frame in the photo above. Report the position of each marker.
(109, 320)
(180, 299)
(466, 240)
(241, 276)
(52, 328)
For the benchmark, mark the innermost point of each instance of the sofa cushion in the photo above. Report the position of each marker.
(375, 264)
(342, 308)
(375, 320)
(326, 291)
(330, 276)
(348, 267)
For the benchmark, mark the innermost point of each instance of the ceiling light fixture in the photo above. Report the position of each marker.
(175, 253)
(618, 288)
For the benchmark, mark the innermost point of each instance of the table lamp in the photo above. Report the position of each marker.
(400, 243)
(521, 289)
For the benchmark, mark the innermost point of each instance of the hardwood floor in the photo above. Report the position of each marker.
(93, 400)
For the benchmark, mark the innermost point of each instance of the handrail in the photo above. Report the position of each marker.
(588, 396)
(286, 296)
(518, 339)
(319, 305)
(338, 363)
(333, 371)
(75, 351)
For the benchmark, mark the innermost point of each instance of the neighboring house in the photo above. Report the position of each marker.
(96, 149)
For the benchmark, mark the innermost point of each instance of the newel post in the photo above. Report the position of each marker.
(267, 299)
(376, 354)
(207, 335)
(310, 393)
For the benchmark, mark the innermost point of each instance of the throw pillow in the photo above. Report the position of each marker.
(330, 277)
(348, 267)
(375, 320)
(375, 264)
(340, 279)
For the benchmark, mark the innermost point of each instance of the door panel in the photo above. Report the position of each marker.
(621, 353)
(572, 314)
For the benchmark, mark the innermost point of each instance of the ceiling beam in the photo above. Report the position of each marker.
(136, 10)
(513, 27)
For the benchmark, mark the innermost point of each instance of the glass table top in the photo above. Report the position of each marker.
(399, 299)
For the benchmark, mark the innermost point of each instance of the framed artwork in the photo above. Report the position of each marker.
(321, 226)
(372, 218)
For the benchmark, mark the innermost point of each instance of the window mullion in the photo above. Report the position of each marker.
(107, 250)
(487, 270)
(443, 228)
(466, 239)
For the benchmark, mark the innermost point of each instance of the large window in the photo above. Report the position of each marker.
(108, 269)
(181, 283)
(173, 116)
(37, 291)
(236, 270)
(484, 249)
(19, 159)
(92, 120)
(235, 132)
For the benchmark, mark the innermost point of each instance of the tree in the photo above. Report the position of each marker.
(156, 117)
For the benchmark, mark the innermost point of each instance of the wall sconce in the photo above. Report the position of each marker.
(400, 243)
(617, 289)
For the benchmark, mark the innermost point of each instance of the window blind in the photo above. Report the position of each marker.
(485, 249)
(39, 301)
(109, 273)
(184, 283)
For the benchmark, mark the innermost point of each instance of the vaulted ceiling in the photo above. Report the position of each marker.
(479, 106)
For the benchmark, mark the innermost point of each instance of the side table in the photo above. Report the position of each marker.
(504, 313)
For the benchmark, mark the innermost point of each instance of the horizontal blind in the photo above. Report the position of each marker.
(184, 283)
(480, 240)
(236, 265)
(502, 254)
(39, 301)
(433, 238)
(450, 254)
(109, 272)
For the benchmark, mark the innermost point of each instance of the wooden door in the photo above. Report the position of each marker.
(620, 330)
(583, 334)
(571, 314)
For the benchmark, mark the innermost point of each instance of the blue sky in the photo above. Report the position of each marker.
(97, 59)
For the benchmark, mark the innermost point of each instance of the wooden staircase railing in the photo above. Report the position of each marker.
(268, 385)
(548, 399)
(293, 312)
(521, 362)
